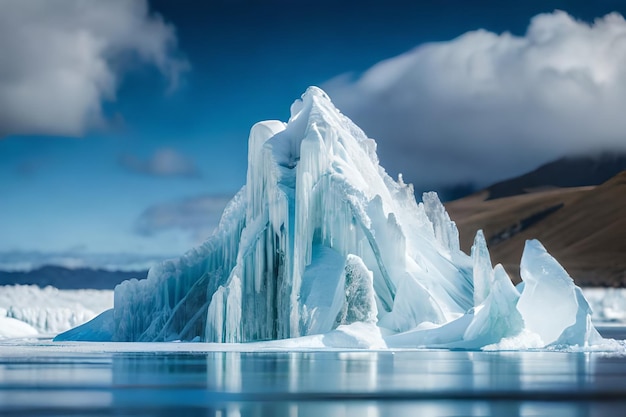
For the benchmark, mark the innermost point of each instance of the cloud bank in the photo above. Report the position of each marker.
(61, 59)
(25, 261)
(486, 106)
(164, 162)
(198, 216)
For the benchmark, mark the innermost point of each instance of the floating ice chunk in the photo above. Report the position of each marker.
(548, 303)
(413, 305)
(498, 317)
(582, 332)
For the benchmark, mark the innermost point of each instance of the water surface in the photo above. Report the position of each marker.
(96, 379)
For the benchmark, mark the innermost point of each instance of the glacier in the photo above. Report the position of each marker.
(322, 246)
(28, 310)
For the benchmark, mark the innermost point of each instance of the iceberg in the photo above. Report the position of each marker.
(322, 245)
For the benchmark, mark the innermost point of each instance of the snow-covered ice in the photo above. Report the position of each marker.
(322, 247)
(608, 304)
(28, 310)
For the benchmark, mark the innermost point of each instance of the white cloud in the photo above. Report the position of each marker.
(164, 162)
(485, 106)
(59, 59)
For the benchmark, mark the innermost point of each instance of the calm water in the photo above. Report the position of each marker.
(41, 381)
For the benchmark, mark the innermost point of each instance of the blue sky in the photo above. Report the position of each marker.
(125, 124)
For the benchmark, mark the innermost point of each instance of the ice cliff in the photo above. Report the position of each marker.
(321, 240)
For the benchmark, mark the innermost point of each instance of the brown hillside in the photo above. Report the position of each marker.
(583, 227)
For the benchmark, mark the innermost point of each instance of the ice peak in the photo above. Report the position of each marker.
(317, 92)
(312, 97)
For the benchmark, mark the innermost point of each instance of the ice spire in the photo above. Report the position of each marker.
(482, 271)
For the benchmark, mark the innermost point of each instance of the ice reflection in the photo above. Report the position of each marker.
(328, 383)
(500, 370)
(224, 372)
(295, 372)
(377, 383)
(572, 370)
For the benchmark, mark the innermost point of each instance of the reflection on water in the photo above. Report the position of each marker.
(403, 383)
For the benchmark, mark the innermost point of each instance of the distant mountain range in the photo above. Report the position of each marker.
(564, 172)
(66, 278)
(575, 206)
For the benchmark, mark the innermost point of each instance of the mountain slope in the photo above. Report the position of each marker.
(584, 227)
(564, 172)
